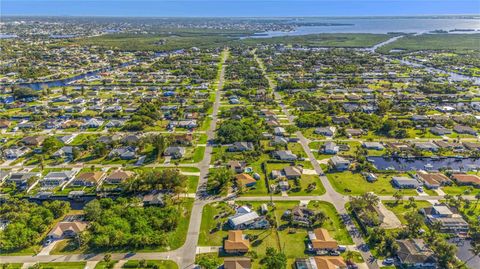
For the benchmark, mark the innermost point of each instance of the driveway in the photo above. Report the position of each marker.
(46, 250)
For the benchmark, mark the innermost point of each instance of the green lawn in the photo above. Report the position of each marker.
(62, 265)
(334, 224)
(11, 265)
(355, 184)
(150, 264)
(401, 208)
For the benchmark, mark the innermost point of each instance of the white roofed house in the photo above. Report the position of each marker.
(93, 123)
(326, 131)
(64, 152)
(339, 163)
(245, 218)
(449, 219)
(405, 182)
(175, 152)
(330, 148)
(284, 155)
(56, 179)
(21, 179)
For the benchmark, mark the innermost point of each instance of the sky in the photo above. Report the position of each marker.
(237, 8)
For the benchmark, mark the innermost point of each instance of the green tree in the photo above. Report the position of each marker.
(274, 259)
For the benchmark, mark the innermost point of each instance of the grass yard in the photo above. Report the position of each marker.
(62, 265)
(401, 208)
(354, 184)
(334, 225)
(11, 265)
(150, 264)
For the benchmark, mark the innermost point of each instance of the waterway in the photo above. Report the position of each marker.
(380, 26)
(426, 163)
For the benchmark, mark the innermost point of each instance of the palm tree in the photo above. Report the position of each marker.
(477, 196)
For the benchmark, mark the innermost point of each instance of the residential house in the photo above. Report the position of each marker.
(35, 140)
(3, 175)
(292, 172)
(124, 153)
(15, 152)
(284, 155)
(67, 229)
(320, 240)
(449, 218)
(245, 180)
(300, 215)
(153, 198)
(175, 152)
(64, 152)
(467, 180)
(236, 166)
(237, 263)
(241, 146)
(326, 131)
(119, 176)
(405, 182)
(433, 180)
(55, 179)
(373, 145)
(339, 163)
(427, 146)
(462, 129)
(245, 218)
(413, 253)
(236, 243)
(321, 262)
(279, 131)
(21, 179)
(88, 179)
(330, 148)
(93, 123)
(354, 132)
(440, 130)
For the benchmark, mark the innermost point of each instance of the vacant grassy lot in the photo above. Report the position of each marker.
(62, 265)
(402, 207)
(355, 184)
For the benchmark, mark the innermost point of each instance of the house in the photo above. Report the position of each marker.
(236, 243)
(471, 145)
(405, 182)
(279, 140)
(370, 177)
(67, 229)
(462, 129)
(413, 253)
(321, 262)
(35, 140)
(245, 180)
(153, 198)
(326, 131)
(339, 163)
(114, 124)
(3, 175)
(241, 146)
(300, 216)
(124, 153)
(330, 148)
(245, 218)
(354, 132)
(280, 131)
(320, 239)
(237, 263)
(440, 130)
(88, 179)
(64, 152)
(131, 139)
(284, 155)
(119, 176)
(373, 145)
(55, 179)
(21, 179)
(433, 180)
(292, 172)
(15, 152)
(236, 166)
(67, 139)
(427, 146)
(340, 120)
(4, 123)
(93, 123)
(449, 218)
(467, 179)
(175, 152)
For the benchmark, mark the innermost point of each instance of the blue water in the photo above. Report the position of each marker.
(238, 8)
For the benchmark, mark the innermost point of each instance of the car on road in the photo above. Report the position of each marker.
(388, 261)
